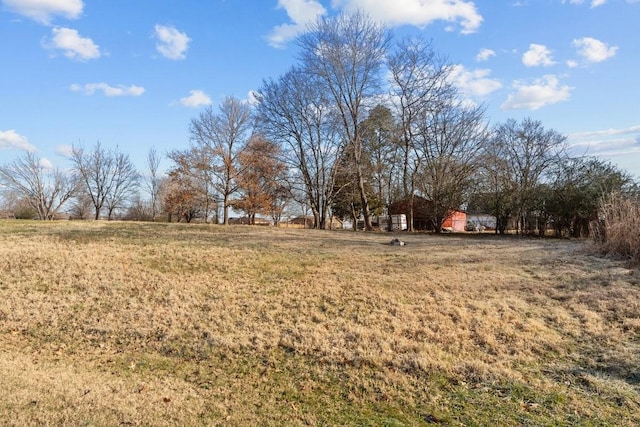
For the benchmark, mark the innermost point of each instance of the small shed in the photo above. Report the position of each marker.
(456, 221)
(423, 212)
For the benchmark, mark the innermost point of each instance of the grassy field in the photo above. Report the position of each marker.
(105, 324)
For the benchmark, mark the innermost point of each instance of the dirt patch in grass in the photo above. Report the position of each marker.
(165, 324)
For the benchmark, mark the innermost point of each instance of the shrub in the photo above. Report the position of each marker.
(618, 229)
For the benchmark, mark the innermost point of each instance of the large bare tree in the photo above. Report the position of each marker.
(108, 177)
(419, 82)
(224, 133)
(525, 152)
(452, 142)
(295, 111)
(125, 185)
(345, 54)
(153, 181)
(46, 190)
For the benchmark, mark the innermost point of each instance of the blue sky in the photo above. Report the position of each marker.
(133, 74)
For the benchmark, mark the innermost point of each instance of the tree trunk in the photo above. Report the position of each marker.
(225, 210)
(410, 215)
(364, 200)
(354, 218)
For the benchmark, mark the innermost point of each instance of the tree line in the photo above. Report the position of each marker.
(359, 121)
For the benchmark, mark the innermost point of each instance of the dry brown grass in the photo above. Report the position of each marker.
(618, 233)
(156, 324)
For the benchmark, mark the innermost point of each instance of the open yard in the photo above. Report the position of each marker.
(105, 324)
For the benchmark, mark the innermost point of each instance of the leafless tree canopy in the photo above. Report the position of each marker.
(46, 191)
(523, 153)
(451, 145)
(346, 55)
(419, 83)
(219, 137)
(153, 180)
(108, 177)
(296, 111)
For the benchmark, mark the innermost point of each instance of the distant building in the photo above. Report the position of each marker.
(481, 221)
(247, 221)
(455, 222)
(307, 222)
(423, 212)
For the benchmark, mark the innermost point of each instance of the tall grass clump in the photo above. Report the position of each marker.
(618, 229)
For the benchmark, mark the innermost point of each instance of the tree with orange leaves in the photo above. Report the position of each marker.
(262, 180)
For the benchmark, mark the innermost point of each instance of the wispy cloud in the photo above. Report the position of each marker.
(607, 142)
(108, 90)
(301, 13)
(537, 55)
(72, 45)
(196, 98)
(44, 11)
(12, 140)
(172, 44)
(633, 130)
(541, 92)
(594, 3)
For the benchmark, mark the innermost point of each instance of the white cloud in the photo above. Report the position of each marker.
(418, 12)
(541, 92)
(537, 55)
(45, 163)
(108, 90)
(72, 44)
(64, 150)
(197, 98)
(594, 3)
(301, 13)
(474, 83)
(572, 63)
(485, 54)
(252, 98)
(392, 12)
(43, 11)
(12, 140)
(593, 50)
(172, 44)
